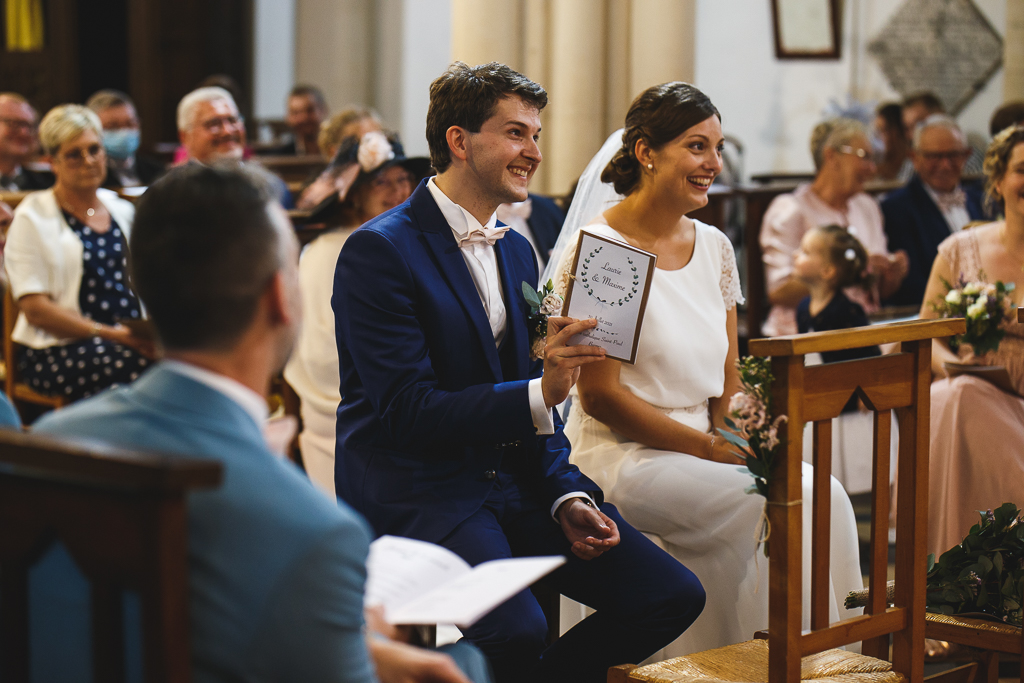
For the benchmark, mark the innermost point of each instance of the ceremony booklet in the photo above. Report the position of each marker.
(996, 374)
(421, 583)
(610, 282)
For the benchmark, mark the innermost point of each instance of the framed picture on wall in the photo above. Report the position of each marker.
(806, 29)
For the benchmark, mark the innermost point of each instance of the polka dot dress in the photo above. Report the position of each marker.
(86, 366)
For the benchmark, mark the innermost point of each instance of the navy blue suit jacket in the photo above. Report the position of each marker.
(276, 570)
(914, 223)
(429, 412)
(545, 223)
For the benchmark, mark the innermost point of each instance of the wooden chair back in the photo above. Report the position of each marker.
(817, 394)
(292, 167)
(122, 517)
(18, 391)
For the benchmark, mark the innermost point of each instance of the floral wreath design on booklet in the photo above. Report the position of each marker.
(616, 279)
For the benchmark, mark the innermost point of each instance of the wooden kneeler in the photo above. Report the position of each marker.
(817, 394)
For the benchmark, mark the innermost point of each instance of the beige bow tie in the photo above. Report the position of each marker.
(481, 235)
(957, 199)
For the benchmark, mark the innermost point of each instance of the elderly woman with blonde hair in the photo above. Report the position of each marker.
(66, 260)
(842, 157)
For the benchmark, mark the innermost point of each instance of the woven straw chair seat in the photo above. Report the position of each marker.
(748, 663)
(983, 625)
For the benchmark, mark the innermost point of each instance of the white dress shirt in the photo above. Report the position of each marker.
(956, 216)
(483, 268)
(251, 402)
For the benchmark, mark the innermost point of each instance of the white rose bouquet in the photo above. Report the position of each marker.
(984, 306)
(544, 302)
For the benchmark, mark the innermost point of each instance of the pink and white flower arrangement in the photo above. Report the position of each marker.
(753, 430)
(985, 306)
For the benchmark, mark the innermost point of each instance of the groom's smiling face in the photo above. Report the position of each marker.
(504, 154)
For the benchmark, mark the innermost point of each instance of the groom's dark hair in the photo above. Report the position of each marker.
(465, 96)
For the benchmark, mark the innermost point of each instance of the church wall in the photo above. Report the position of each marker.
(771, 106)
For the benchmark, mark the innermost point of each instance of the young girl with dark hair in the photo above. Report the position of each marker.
(830, 259)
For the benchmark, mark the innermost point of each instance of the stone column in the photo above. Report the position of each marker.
(662, 41)
(576, 121)
(1013, 52)
(488, 31)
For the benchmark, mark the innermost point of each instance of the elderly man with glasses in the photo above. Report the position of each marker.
(212, 131)
(933, 205)
(17, 145)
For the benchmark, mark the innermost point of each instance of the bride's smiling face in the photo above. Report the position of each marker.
(685, 167)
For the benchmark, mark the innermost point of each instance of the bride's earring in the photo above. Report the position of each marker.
(650, 167)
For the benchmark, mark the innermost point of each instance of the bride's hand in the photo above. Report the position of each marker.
(723, 451)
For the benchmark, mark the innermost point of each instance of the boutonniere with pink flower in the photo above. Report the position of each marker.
(544, 303)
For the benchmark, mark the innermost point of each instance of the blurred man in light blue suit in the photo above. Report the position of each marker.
(276, 570)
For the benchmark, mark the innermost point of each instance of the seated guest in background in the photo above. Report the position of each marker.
(830, 260)
(125, 166)
(380, 184)
(892, 151)
(933, 205)
(919, 106)
(17, 145)
(1010, 114)
(448, 433)
(354, 122)
(842, 156)
(276, 571)
(307, 110)
(210, 127)
(211, 130)
(977, 429)
(66, 260)
(539, 220)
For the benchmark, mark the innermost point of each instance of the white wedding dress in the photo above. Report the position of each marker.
(697, 509)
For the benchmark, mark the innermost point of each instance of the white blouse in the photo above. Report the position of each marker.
(681, 356)
(43, 255)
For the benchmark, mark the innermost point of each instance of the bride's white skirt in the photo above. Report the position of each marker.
(703, 518)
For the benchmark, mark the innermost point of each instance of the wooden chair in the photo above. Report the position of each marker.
(122, 517)
(17, 391)
(817, 394)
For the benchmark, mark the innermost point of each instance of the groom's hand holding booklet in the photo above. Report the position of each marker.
(610, 282)
(421, 583)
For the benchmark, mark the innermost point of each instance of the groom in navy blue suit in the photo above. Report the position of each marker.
(447, 431)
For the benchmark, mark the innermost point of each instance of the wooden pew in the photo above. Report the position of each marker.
(122, 517)
(817, 394)
(292, 168)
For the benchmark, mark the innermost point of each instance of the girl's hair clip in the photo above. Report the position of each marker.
(850, 254)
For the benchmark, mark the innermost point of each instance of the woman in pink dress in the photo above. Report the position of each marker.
(977, 430)
(842, 156)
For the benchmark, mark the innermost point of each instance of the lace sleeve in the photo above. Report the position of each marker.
(729, 280)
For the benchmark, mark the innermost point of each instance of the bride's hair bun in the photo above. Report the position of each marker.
(657, 116)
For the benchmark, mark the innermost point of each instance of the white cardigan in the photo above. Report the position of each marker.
(43, 255)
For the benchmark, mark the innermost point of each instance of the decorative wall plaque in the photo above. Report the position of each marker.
(945, 46)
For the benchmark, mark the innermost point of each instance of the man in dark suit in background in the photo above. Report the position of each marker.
(18, 121)
(538, 219)
(447, 432)
(933, 205)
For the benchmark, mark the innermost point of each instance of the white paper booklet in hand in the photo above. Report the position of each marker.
(421, 583)
(610, 282)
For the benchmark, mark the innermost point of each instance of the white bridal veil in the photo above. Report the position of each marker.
(592, 198)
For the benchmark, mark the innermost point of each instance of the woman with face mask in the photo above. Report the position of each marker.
(121, 134)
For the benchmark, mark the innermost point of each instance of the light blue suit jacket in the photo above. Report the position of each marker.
(276, 571)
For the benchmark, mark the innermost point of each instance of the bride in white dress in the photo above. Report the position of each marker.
(643, 432)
